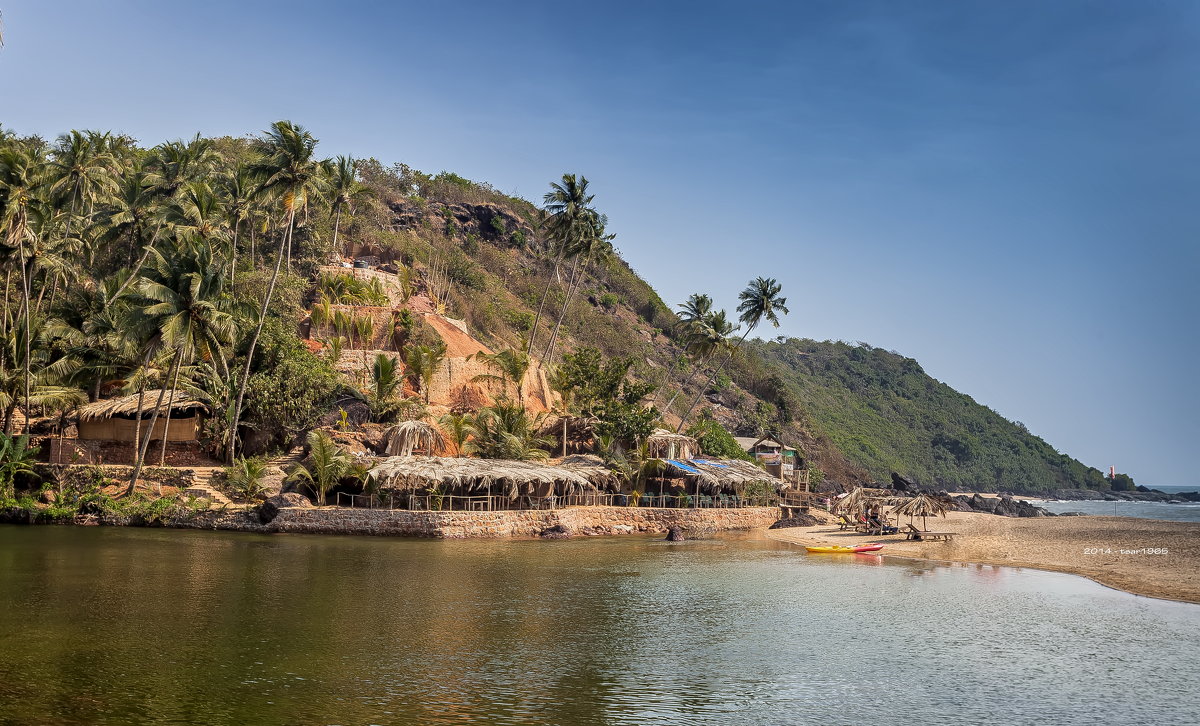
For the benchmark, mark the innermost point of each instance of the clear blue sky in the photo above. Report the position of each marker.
(1005, 191)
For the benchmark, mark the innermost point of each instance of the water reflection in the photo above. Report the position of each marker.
(146, 626)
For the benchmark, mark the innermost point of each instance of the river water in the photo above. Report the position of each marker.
(141, 626)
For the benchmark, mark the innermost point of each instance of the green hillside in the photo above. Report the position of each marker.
(883, 412)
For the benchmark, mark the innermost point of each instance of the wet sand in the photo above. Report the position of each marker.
(1120, 552)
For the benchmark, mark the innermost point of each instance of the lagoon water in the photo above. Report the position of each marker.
(129, 626)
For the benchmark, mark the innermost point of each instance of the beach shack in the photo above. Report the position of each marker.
(116, 419)
(784, 461)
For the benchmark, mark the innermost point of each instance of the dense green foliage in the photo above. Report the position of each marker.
(289, 388)
(716, 441)
(883, 412)
(603, 390)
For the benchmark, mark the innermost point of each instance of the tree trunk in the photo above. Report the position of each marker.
(548, 355)
(162, 392)
(262, 317)
(162, 457)
(233, 261)
(337, 218)
(137, 429)
(545, 294)
(716, 373)
(138, 267)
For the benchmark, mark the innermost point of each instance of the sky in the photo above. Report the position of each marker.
(1005, 191)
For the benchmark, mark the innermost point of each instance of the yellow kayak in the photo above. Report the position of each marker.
(839, 549)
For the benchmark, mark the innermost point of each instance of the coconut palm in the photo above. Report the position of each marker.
(457, 427)
(22, 176)
(760, 300)
(325, 466)
(510, 364)
(80, 170)
(185, 311)
(505, 430)
(386, 382)
(568, 215)
(237, 190)
(704, 338)
(422, 362)
(592, 245)
(289, 173)
(344, 191)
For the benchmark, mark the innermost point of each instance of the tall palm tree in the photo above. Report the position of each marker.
(568, 215)
(511, 365)
(593, 245)
(22, 176)
(759, 300)
(185, 310)
(290, 172)
(80, 169)
(505, 430)
(705, 334)
(238, 192)
(344, 191)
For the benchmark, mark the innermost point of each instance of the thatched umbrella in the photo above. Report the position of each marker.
(663, 444)
(922, 506)
(401, 439)
(853, 503)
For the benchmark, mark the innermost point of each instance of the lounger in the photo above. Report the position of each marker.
(922, 535)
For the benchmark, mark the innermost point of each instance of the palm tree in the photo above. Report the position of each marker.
(325, 466)
(511, 365)
(593, 244)
(705, 334)
(759, 300)
(80, 169)
(505, 430)
(423, 361)
(385, 386)
(568, 215)
(344, 191)
(289, 172)
(238, 192)
(186, 311)
(457, 427)
(22, 175)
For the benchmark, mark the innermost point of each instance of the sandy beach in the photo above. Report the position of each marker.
(1120, 552)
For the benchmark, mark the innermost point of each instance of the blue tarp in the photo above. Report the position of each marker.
(706, 462)
(683, 466)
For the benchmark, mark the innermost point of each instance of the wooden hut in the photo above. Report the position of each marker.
(115, 419)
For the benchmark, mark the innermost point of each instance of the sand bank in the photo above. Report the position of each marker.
(1120, 552)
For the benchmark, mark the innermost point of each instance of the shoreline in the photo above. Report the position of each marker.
(1122, 553)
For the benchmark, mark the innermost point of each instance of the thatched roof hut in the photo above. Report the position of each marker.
(715, 476)
(596, 472)
(663, 444)
(862, 498)
(459, 476)
(115, 419)
(178, 401)
(407, 436)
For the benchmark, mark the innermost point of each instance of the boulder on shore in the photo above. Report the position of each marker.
(269, 509)
(675, 534)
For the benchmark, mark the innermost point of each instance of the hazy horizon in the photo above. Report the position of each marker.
(1002, 192)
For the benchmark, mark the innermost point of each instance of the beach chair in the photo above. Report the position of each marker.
(845, 522)
(924, 536)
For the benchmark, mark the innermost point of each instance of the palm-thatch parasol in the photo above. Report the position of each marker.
(922, 506)
(404, 437)
(663, 444)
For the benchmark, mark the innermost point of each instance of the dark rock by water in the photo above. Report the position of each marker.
(269, 509)
(556, 532)
(675, 534)
(800, 520)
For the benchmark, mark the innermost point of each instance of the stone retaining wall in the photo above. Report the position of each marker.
(506, 524)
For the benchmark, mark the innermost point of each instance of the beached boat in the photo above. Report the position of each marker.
(839, 549)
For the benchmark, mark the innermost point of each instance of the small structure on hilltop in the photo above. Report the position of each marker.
(116, 419)
(784, 461)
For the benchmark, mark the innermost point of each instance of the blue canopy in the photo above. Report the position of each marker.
(683, 466)
(706, 462)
